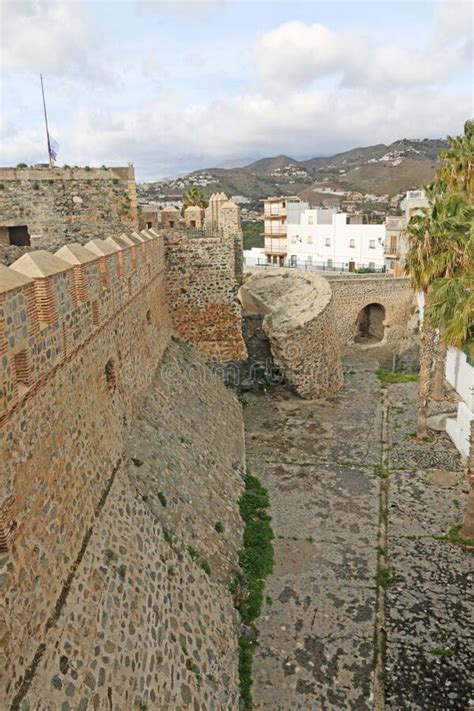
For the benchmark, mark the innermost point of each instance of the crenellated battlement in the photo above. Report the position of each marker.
(51, 304)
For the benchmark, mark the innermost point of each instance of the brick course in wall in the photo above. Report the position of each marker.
(113, 479)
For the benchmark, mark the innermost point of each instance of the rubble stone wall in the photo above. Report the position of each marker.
(201, 286)
(68, 204)
(300, 324)
(352, 294)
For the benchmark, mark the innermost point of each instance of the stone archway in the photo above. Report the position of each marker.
(370, 324)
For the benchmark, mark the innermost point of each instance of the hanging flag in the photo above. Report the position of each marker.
(53, 148)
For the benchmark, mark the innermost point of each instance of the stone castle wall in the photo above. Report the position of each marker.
(145, 623)
(202, 280)
(87, 561)
(68, 204)
(79, 343)
(352, 294)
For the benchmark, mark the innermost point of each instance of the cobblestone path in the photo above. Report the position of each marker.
(322, 464)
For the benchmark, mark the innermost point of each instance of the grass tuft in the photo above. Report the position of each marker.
(389, 377)
(442, 651)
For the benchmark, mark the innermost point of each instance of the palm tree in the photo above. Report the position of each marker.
(452, 308)
(455, 175)
(417, 265)
(194, 196)
(438, 246)
(450, 234)
(457, 162)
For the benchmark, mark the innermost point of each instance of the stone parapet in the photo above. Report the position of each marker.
(81, 334)
(51, 304)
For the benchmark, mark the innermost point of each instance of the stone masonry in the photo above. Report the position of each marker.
(300, 324)
(61, 205)
(87, 556)
(352, 294)
(202, 280)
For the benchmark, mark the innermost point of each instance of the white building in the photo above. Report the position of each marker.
(414, 203)
(326, 238)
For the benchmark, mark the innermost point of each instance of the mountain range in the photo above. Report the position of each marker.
(380, 169)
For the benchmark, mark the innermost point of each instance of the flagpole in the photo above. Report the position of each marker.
(46, 123)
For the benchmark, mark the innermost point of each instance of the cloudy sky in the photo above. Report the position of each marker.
(173, 86)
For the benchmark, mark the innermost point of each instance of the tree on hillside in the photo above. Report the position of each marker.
(194, 196)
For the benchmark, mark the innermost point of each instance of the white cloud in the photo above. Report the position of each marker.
(55, 37)
(248, 124)
(368, 93)
(295, 54)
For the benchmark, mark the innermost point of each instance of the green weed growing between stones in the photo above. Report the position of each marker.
(453, 537)
(387, 577)
(256, 562)
(218, 527)
(442, 651)
(389, 377)
(162, 498)
(199, 560)
(137, 462)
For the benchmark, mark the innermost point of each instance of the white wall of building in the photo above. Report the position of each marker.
(460, 375)
(311, 240)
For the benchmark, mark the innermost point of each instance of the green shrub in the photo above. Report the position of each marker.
(218, 527)
(162, 498)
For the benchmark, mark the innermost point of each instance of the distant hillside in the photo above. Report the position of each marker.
(378, 170)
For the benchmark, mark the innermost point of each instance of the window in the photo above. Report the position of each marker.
(149, 225)
(21, 367)
(352, 243)
(372, 266)
(310, 220)
(293, 260)
(328, 242)
(329, 264)
(372, 244)
(310, 239)
(309, 261)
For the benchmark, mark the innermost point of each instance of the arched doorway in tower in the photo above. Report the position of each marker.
(369, 324)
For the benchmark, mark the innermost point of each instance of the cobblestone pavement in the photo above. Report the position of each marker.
(321, 461)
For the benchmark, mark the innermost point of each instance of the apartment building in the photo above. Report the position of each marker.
(276, 211)
(396, 243)
(334, 240)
